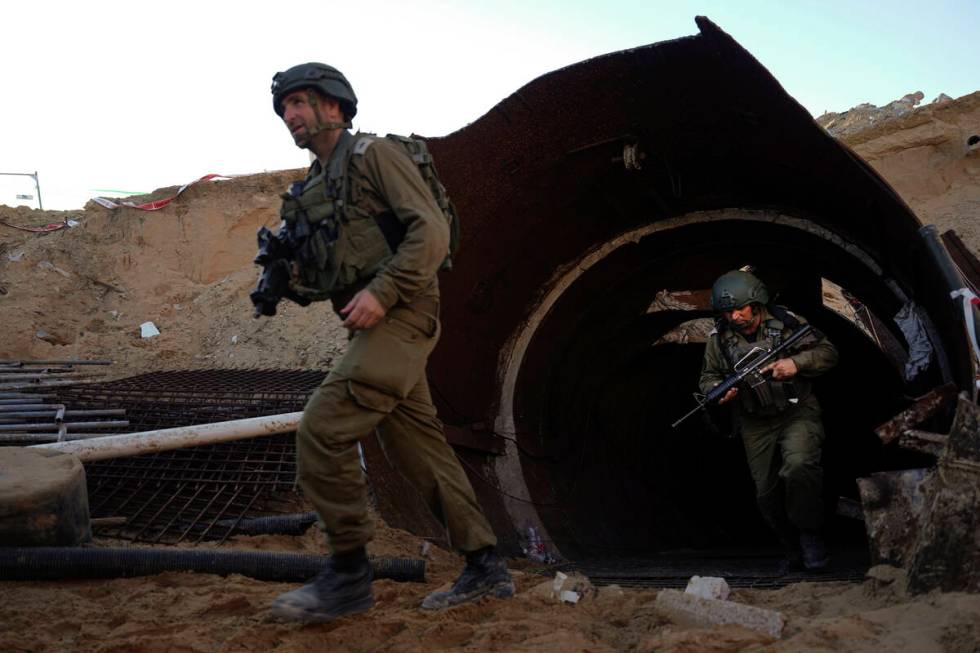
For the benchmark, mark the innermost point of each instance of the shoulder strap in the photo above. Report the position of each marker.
(718, 333)
(391, 227)
(784, 315)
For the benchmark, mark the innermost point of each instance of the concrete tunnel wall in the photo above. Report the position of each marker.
(545, 376)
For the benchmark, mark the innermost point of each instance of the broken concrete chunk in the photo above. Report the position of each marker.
(560, 579)
(708, 587)
(571, 588)
(714, 612)
(568, 596)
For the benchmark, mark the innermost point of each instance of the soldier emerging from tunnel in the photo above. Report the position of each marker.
(367, 233)
(777, 413)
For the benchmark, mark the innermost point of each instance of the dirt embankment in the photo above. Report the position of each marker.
(925, 155)
(83, 292)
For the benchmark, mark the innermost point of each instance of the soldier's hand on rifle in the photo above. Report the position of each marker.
(731, 394)
(363, 311)
(784, 368)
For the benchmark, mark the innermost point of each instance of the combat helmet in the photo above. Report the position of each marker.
(736, 289)
(326, 79)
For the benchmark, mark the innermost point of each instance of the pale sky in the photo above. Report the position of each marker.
(137, 95)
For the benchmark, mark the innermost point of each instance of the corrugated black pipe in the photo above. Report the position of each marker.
(53, 563)
(293, 524)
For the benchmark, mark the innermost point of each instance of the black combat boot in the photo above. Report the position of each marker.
(815, 556)
(485, 574)
(343, 587)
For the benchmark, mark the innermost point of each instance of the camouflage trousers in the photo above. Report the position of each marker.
(380, 386)
(783, 453)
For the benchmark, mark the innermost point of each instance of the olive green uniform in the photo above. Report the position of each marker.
(783, 447)
(381, 383)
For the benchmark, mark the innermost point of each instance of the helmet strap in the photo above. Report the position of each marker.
(320, 125)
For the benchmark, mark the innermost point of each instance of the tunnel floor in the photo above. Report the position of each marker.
(755, 569)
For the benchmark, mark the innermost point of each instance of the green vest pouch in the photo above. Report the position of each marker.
(338, 243)
(317, 236)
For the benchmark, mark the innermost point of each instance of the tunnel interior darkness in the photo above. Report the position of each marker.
(596, 396)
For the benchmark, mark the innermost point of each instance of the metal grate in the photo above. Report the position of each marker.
(203, 492)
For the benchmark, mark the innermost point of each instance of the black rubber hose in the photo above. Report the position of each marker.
(52, 563)
(294, 524)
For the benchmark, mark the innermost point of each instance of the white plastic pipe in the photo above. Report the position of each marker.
(135, 444)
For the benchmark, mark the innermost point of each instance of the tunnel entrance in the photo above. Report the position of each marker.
(688, 160)
(600, 385)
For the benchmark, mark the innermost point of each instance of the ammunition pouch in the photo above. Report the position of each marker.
(336, 243)
(759, 394)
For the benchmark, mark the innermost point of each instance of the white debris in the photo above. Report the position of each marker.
(15, 255)
(711, 611)
(560, 579)
(708, 587)
(234, 340)
(148, 330)
(571, 589)
(568, 596)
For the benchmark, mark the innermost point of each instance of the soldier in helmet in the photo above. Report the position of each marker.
(778, 415)
(371, 239)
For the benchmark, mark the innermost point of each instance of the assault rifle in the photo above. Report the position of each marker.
(744, 369)
(275, 256)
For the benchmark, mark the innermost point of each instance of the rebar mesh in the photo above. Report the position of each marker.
(201, 492)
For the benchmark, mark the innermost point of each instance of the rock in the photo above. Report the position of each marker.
(708, 587)
(714, 612)
(570, 588)
(52, 338)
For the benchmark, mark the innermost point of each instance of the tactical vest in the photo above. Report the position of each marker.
(336, 243)
(759, 394)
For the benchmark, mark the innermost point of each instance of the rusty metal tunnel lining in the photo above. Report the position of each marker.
(543, 179)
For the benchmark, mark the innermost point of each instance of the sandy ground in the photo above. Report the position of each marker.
(83, 292)
(199, 612)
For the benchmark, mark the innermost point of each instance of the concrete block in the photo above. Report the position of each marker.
(708, 587)
(714, 612)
